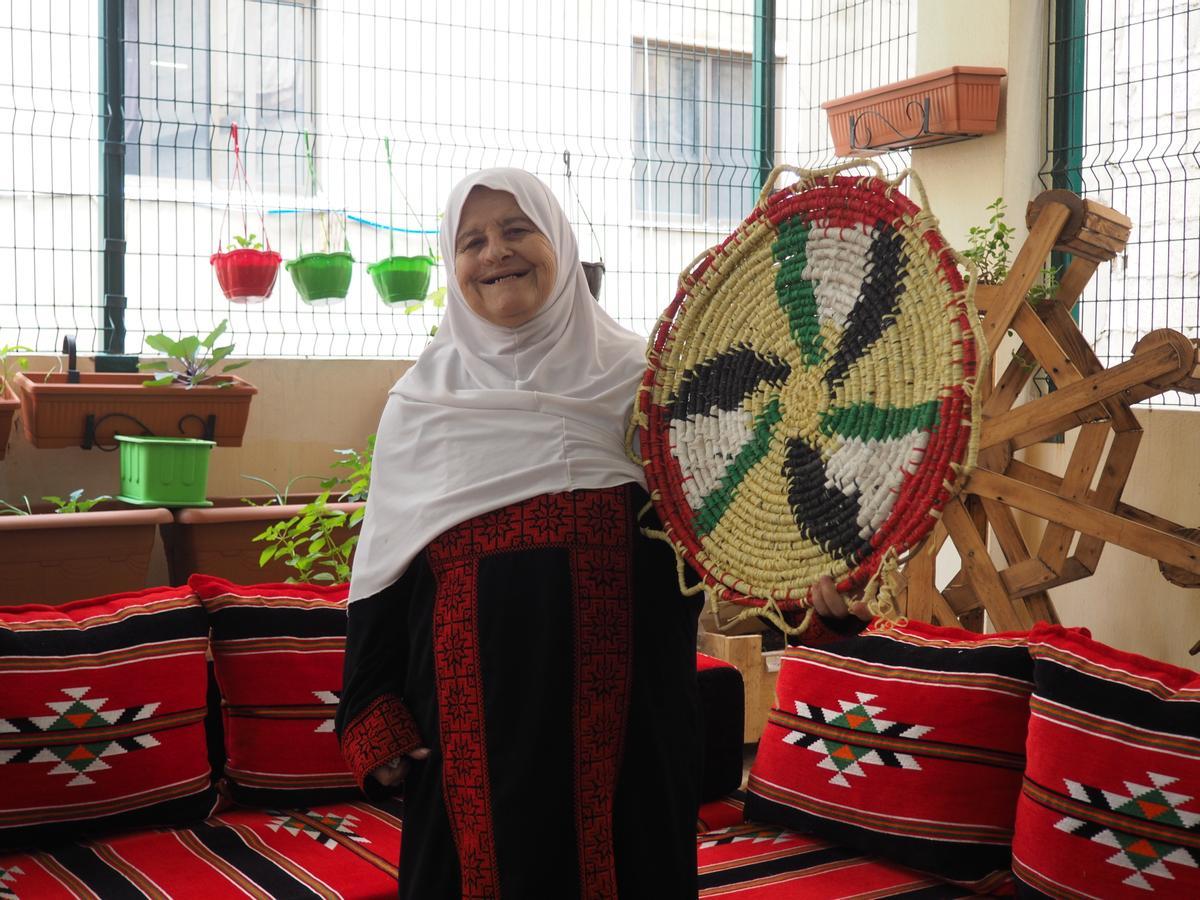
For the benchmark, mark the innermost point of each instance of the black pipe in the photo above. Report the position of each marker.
(764, 88)
(112, 178)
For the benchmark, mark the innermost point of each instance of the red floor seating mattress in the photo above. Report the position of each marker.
(350, 850)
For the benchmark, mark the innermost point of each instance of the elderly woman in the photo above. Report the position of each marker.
(519, 655)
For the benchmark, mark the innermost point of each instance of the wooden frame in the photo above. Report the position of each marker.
(1082, 508)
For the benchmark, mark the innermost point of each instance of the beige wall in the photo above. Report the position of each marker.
(1126, 603)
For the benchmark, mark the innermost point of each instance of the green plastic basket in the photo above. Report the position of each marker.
(164, 471)
(401, 279)
(321, 277)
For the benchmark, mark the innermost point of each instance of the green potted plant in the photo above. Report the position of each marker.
(221, 540)
(322, 277)
(400, 279)
(9, 404)
(245, 269)
(188, 398)
(989, 247)
(75, 547)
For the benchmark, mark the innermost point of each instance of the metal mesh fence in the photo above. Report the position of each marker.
(354, 119)
(1126, 107)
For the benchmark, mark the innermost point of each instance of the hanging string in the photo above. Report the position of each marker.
(326, 228)
(241, 181)
(579, 203)
(387, 149)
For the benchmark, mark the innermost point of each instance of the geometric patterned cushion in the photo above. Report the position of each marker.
(278, 651)
(347, 850)
(907, 742)
(751, 861)
(729, 810)
(1111, 801)
(102, 705)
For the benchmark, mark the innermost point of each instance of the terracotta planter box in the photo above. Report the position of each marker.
(935, 108)
(8, 407)
(58, 557)
(55, 413)
(219, 540)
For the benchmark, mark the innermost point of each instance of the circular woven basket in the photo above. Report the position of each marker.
(807, 408)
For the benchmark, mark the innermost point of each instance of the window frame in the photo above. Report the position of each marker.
(708, 55)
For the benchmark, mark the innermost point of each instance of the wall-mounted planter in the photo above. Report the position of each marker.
(246, 275)
(57, 557)
(58, 413)
(401, 279)
(8, 408)
(935, 108)
(220, 540)
(164, 471)
(321, 277)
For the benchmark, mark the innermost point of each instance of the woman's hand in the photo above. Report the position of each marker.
(395, 771)
(828, 602)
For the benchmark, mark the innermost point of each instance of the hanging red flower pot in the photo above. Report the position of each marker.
(246, 275)
(245, 269)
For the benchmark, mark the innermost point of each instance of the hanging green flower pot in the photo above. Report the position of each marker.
(322, 277)
(400, 279)
(164, 471)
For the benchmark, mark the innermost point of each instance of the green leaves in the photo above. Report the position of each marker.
(247, 242)
(190, 358)
(315, 542)
(354, 470)
(74, 502)
(990, 248)
(7, 360)
(309, 542)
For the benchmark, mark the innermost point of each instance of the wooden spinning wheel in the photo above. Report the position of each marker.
(1082, 513)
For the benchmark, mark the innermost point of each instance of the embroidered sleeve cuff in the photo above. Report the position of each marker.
(382, 731)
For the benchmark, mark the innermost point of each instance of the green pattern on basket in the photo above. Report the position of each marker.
(870, 422)
(797, 295)
(752, 451)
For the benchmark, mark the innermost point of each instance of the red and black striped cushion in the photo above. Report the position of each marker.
(751, 861)
(346, 850)
(906, 742)
(1111, 800)
(350, 850)
(278, 651)
(102, 706)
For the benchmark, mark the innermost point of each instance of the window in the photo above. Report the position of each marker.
(693, 112)
(192, 67)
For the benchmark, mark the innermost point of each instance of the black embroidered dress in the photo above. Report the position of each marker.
(544, 654)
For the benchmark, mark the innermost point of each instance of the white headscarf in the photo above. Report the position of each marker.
(491, 415)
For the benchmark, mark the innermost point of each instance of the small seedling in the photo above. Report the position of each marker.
(75, 502)
(247, 242)
(9, 363)
(280, 497)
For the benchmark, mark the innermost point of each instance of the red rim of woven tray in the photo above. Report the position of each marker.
(907, 524)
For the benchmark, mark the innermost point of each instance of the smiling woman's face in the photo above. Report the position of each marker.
(505, 266)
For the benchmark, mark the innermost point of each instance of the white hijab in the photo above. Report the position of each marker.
(491, 415)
